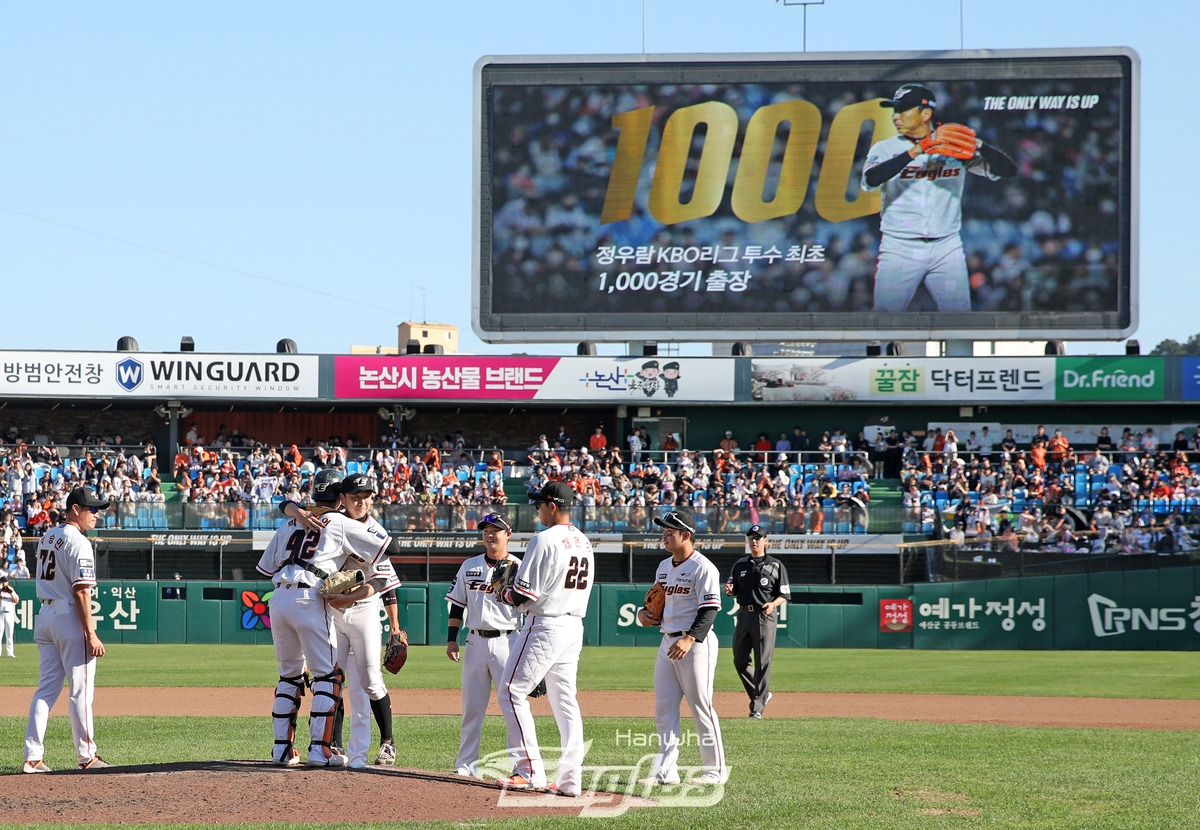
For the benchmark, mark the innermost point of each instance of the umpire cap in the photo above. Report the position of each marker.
(677, 520)
(358, 483)
(756, 532)
(327, 485)
(555, 492)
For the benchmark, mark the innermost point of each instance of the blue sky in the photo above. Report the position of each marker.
(328, 146)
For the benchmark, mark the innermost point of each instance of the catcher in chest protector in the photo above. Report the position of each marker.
(302, 557)
(356, 601)
(552, 586)
(684, 602)
(490, 623)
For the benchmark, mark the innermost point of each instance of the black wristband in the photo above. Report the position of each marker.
(452, 634)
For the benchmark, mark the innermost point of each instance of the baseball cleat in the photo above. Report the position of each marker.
(756, 715)
(516, 782)
(357, 764)
(554, 789)
(768, 700)
(659, 781)
(318, 758)
(292, 761)
(707, 778)
(387, 754)
(35, 766)
(95, 763)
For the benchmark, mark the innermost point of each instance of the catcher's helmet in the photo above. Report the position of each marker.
(327, 485)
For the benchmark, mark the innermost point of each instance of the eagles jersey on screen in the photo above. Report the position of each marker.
(472, 591)
(691, 585)
(339, 539)
(557, 573)
(64, 560)
(925, 200)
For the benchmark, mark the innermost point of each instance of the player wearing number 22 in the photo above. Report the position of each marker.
(65, 631)
(921, 171)
(552, 588)
(687, 656)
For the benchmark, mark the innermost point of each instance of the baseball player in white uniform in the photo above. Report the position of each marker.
(358, 627)
(9, 600)
(552, 588)
(65, 632)
(921, 208)
(687, 656)
(491, 625)
(302, 622)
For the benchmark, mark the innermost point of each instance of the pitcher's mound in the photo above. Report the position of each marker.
(243, 792)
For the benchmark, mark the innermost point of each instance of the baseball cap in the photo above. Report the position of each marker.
(677, 520)
(495, 520)
(756, 532)
(555, 492)
(909, 96)
(358, 483)
(85, 497)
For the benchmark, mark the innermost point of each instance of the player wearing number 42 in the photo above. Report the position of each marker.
(921, 171)
(552, 587)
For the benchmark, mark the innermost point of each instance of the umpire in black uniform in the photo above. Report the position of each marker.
(760, 583)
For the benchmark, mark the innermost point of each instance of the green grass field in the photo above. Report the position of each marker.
(811, 773)
(1149, 674)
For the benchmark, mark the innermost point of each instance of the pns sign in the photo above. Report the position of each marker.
(1110, 618)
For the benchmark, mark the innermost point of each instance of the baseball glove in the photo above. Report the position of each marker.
(396, 653)
(954, 140)
(502, 579)
(341, 582)
(655, 601)
(539, 690)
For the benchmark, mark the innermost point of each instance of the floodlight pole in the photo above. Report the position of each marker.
(805, 4)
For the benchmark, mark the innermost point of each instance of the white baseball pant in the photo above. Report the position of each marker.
(905, 263)
(359, 647)
(303, 632)
(8, 628)
(692, 677)
(62, 655)
(483, 663)
(547, 647)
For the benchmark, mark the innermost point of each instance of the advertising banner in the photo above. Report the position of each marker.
(775, 194)
(903, 379)
(583, 379)
(1110, 378)
(147, 374)
(1191, 379)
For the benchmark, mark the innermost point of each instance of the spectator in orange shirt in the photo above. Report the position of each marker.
(238, 517)
(729, 443)
(1037, 453)
(762, 446)
(598, 442)
(1058, 447)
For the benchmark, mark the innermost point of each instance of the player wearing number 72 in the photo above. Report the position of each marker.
(922, 171)
(552, 588)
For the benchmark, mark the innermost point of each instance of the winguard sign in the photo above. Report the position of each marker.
(146, 374)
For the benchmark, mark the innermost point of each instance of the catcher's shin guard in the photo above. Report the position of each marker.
(287, 705)
(327, 693)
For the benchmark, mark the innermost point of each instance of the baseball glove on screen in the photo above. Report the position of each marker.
(539, 690)
(502, 579)
(655, 601)
(954, 140)
(396, 653)
(341, 582)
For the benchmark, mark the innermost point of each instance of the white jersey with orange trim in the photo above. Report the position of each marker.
(472, 592)
(340, 538)
(382, 568)
(557, 573)
(693, 584)
(64, 560)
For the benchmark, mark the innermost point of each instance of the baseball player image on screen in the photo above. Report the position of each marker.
(360, 630)
(922, 173)
(490, 625)
(552, 587)
(297, 560)
(65, 632)
(686, 665)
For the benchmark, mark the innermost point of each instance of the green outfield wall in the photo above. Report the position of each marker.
(1147, 610)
